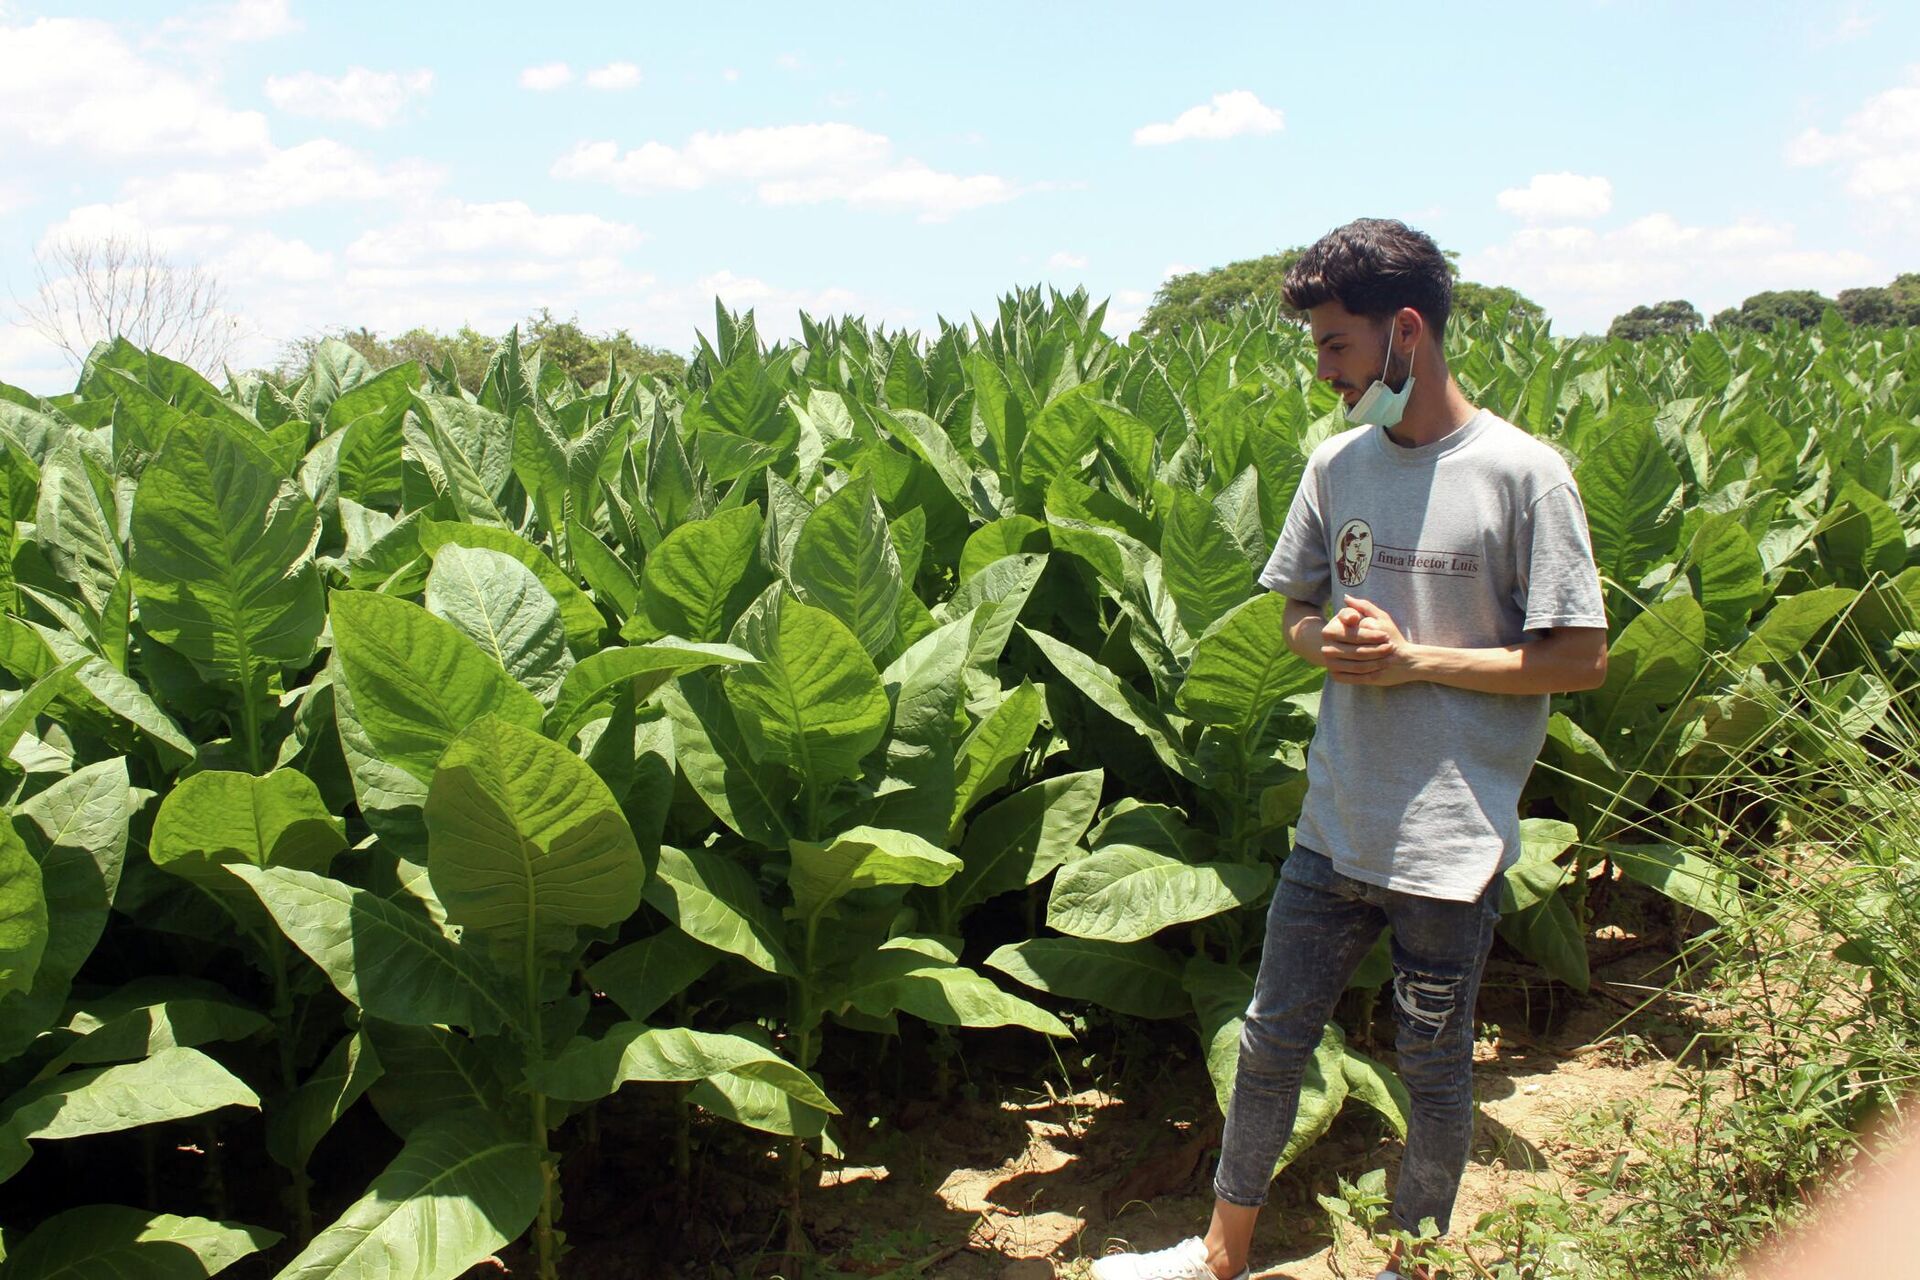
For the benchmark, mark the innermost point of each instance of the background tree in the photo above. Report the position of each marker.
(1674, 316)
(1471, 298)
(1763, 311)
(1194, 297)
(91, 289)
(1873, 306)
(583, 355)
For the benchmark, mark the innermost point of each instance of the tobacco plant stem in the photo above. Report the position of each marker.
(549, 1174)
(250, 730)
(289, 1077)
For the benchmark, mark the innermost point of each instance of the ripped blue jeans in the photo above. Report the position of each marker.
(1319, 928)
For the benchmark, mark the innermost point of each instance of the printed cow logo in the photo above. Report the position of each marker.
(1354, 552)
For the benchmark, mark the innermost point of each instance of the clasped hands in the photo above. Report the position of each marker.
(1362, 644)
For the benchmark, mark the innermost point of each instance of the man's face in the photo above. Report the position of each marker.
(1351, 348)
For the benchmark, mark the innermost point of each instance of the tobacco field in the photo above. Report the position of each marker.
(378, 754)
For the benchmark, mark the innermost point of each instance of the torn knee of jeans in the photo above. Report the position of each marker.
(1425, 1001)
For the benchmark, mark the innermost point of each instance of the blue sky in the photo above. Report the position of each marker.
(437, 164)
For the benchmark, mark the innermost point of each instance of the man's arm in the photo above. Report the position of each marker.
(1363, 645)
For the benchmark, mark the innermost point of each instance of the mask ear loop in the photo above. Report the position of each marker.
(1387, 368)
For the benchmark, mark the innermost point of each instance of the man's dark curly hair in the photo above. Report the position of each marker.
(1373, 267)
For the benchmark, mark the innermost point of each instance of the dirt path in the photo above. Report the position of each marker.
(1027, 1187)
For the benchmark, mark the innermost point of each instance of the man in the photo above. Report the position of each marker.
(1453, 551)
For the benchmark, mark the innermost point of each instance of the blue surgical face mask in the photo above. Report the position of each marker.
(1381, 406)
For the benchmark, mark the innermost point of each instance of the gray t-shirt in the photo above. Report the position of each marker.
(1469, 542)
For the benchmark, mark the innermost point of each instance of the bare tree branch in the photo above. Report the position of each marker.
(96, 288)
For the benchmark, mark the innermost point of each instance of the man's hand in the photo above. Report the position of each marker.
(1362, 644)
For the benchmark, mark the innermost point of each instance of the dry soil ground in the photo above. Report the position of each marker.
(1030, 1180)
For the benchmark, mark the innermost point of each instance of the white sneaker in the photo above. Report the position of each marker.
(1184, 1261)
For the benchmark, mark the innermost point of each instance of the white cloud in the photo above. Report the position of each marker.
(242, 22)
(788, 62)
(316, 172)
(1558, 197)
(372, 98)
(1064, 261)
(508, 228)
(788, 164)
(1878, 148)
(545, 77)
(74, 84)
(731, 75)
(1584, 276)
(1229, 115)
(33, 364)
(1124, 310)
(615, 75)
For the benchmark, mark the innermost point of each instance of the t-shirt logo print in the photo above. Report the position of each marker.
(1354, 552)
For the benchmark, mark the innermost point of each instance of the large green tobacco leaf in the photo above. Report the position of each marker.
(23, 914)
(1057, 437)
(919, 977)
(612, 581)
(1790, 624)
(526, 845)
(117, 1242)
(459, 1190)
(923, 685)
(1122, 893)
(1727, 575)
(173, 1084)
(1654, 662)
(1105, 690)
(1626, 483)
(214, 818)
(1323, 1092)
(845, 563)
(476, 447)
(150, 1014)
(501, 606)
(223, 556)
(822, 873)
(643, 975)
(593, 1067)
(94, 682)
(757, 1105)
(75, 520)
(417, 681)
(370, 452)
(696, 580)
(1203, 564)
(77, 831)
(577, 612)
(297, 1122)
(639, 669)
(988, 754)
(429, 1071)
(562, 474)
(814, 703)
(389, 961)
(1378, 1087)
(714, 756)
(1242, 668)
(1134, 978)
(1020, 840)
(275, 821)
(1685, 877)
(715, 901)
(1536, 917)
